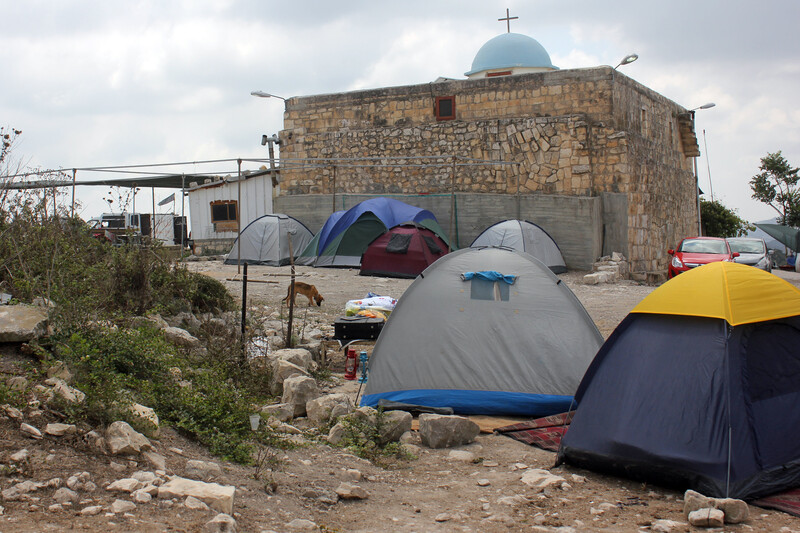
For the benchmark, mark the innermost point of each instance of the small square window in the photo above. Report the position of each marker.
(445, 108)
(224, 215)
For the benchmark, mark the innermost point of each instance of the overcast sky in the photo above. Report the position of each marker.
(99, 82)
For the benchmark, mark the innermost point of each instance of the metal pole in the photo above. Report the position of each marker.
(292, 295)
(183, 217)
(153, 217)
(239, 217)
(452, 205)
(72, 214)
(333, 189)
(244, 313)
(697, 192)
(696, 186)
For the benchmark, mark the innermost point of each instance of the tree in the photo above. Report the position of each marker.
(777, 186)
(719, 221)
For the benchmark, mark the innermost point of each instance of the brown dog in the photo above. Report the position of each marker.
(309, 291)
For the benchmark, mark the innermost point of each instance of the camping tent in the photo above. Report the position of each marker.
(484, 331)
(264, 241)
(402, 252)
(697, 387)
(524, 236)
(346, 234)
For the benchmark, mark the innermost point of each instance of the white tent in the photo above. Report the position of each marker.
(265, 241)
(524, 236)
(484, 331)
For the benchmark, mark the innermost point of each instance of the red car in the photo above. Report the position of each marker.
(698, 251)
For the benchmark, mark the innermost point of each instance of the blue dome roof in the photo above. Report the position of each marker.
(510, 50)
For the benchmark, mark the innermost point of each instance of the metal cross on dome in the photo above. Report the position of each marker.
(508, 20)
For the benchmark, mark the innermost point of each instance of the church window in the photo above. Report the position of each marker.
(445, 108)
(224, 215)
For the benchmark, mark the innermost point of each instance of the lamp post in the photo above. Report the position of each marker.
(709, 105)
(627, 60)
(262, 94)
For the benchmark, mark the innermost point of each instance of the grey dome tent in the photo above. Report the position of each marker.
(484, 331)
(524, 236)
(265, 241)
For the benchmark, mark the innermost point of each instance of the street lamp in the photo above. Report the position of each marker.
(262, 94)
(709, 105)
(627, 60)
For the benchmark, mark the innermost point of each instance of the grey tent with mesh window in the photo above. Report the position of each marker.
(524, 236)
(265, 241)
(484, 331)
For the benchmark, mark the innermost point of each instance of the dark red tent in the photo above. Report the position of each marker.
(402, 252)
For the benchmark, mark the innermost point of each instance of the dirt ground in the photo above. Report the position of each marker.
(435, 492)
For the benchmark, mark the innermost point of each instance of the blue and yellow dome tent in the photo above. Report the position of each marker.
(698, 387)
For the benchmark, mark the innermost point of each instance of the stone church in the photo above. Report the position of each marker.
(601, 162)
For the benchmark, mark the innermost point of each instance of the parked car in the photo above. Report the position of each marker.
(698, 251)
(752, 251)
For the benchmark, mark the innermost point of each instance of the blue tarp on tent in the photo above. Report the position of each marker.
(391, 212)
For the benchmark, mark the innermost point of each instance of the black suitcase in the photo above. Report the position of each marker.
(357, 327)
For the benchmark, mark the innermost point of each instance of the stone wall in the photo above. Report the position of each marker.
(575, 133)
(575, 223)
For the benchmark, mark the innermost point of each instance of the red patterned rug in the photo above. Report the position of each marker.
(788, 502)
(544, 432)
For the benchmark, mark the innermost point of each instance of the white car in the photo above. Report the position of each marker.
(752, 251)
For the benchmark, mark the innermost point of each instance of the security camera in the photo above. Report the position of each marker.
(264, 140)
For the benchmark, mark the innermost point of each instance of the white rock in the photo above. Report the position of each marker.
(146, 478)
(148, 415)
(218, 497)
(121, 438)
(59, 430)
(484, 482)
(541, 479)
(122, 506)
(346, 491)
(665, 526)
(707, 518)
(17, 383)
(461, 455)
(513, 501)
(127, 484)
(20, 456)
(92, 510)
(193, 503)
(181, 337)
(64, 495)
(301, 524)
(351, 474)
(202, 470)
(222, 523)
(156, 460)
(141, 496)
(67, 393)
(30, 431)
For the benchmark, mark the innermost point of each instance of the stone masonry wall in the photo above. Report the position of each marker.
(575, 133)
